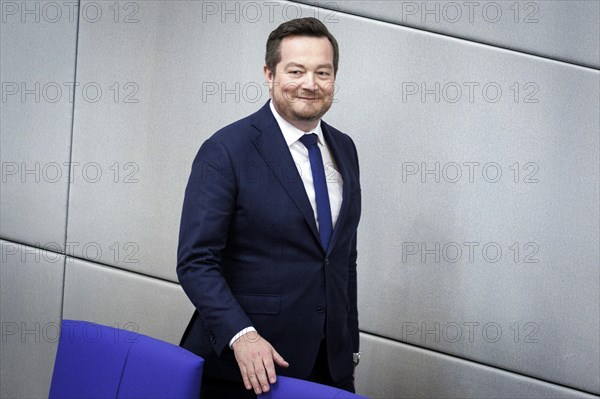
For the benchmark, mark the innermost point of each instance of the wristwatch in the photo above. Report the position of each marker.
(356, 358)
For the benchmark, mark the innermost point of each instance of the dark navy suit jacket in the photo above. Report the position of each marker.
(250, 255)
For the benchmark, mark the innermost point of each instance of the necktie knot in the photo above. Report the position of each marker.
(309, 139)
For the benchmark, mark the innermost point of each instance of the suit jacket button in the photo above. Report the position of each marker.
(326, 261)
(321, 309)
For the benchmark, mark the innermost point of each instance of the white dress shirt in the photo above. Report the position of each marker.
(299, 152)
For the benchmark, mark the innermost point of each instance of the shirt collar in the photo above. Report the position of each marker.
(291, 134)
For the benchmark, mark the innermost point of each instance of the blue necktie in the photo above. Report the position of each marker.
(320, 183)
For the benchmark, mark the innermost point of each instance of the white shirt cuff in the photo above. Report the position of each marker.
(238, 335)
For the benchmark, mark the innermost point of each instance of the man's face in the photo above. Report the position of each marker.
(303, 84)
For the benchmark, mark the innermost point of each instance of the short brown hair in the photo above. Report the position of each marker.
(298, 27)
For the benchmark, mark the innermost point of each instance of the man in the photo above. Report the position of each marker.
(267, 244)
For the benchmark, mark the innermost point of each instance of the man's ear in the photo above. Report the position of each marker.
(269, 76)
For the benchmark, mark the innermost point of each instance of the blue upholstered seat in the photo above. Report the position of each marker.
(292, 388)
(96, 361)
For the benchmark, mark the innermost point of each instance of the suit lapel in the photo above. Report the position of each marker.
(344, 169)
(272, 147)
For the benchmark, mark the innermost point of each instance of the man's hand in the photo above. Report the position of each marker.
(255, 358)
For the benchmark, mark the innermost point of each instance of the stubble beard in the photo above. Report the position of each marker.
(307, 112)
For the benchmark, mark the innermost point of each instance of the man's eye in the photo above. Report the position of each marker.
(296, 72)
(323, 73)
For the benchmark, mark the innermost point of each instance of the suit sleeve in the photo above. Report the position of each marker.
(352, 274)
(207, 212)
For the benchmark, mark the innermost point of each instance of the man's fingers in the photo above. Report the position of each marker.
(279, 359)
(270, 367)
(261, 374)
(244, 372)
(249, 378)
(253, 379)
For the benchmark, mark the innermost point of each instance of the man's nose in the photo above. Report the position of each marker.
(309, 82)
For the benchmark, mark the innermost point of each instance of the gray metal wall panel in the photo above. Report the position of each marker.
(544, 218)
(38, 67)
(554, 140)
(567, 30)
(390, 369)
(125, 300)
(31, 283)
(151, 142)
